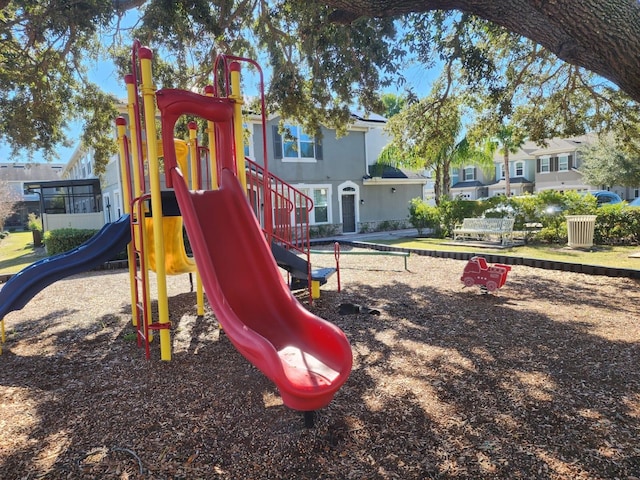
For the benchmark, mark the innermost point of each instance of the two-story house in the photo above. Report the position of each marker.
(533, 168)
(338, 173)
(470, 182)
(18, 175)
(558, 164)
(522, 171)
(81, 167)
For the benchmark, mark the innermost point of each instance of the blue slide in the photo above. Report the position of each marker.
(100, 248)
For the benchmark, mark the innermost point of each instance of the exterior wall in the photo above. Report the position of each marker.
(560, 181)
(382, 203)
(339, 175)
(16, 174)
(72, 220)
(375, 141)
(112, 194)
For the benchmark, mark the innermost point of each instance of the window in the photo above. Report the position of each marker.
(563, 163)
(295, 145)
(320, 207)
(247, 139)
(519, 169)
(321, 200)
(469, 174)
(545, 165)
(501, 170)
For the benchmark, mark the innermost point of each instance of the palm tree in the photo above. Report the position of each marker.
(509, 140)
(427, 135)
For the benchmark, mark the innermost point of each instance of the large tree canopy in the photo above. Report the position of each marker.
(326, 56)
(600, 35)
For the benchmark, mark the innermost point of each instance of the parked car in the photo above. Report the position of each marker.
(634, 203)
(604, 197)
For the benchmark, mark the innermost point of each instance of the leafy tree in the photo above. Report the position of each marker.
(8, 201)
(393, 104)
(600, 36)
(43, 83)
(326, 56)
(607, 163)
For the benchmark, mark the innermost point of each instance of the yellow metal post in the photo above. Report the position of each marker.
(126, 175)
(211, 135)
(237, 123)
(137, 160)
(315, 289)
(193, 152)
(148, 95)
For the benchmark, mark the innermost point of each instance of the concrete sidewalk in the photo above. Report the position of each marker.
(368, 237)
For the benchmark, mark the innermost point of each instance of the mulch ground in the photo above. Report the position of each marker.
(539, 380)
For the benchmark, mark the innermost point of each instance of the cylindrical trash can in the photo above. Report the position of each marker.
(580, 230)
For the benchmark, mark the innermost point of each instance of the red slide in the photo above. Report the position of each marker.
(307, 357)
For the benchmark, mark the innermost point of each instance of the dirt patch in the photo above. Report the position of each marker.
(539, 380)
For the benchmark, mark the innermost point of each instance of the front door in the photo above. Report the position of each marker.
(348, 214)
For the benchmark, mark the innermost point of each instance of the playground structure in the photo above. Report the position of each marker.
(478, 272)
(234, 218)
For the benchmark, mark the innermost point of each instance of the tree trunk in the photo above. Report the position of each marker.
(437, 184)
(507, 174)
(446, 179)
(600, 35)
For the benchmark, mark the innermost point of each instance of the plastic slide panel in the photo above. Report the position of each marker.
(307, 357)
(103, 246)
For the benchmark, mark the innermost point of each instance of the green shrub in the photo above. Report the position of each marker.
(452, 212)
(65, 239)
(422, 215)
(552, 234)
(616, 225)
(34, 223)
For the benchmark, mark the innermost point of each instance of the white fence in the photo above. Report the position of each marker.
(55, 221)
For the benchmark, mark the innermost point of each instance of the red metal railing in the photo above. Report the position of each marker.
(290, 208)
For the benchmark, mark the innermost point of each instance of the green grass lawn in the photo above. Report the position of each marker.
(618, 257)
(17, 251)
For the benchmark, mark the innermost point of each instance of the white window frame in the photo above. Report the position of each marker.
(501, 171)
(251, 153)
(473, 174)
(545, 162)
(309, 191)
(518, 166)
(297, 131)
(564, 159)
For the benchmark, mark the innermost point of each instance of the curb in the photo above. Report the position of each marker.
(504, 259)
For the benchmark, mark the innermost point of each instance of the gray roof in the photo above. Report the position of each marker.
(468, 184)
(30, 172)
(399, 173)
(512, 181)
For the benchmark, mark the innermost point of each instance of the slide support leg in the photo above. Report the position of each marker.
(309, 419)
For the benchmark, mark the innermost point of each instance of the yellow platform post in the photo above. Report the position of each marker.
(126, 175)
(213, 161)
(148, 95)
(315, 289)
(237, 123)
(193, 152)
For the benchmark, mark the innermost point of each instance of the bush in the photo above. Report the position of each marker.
(452, 212)
(65, 239)
(616, 225)
(34, 223)
(423, 216)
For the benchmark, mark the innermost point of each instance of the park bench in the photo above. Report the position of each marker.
(484, 228)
